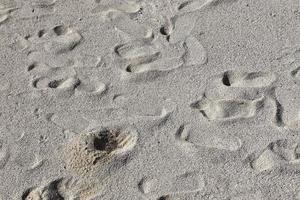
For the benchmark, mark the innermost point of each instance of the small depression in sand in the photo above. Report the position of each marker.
(91, 151)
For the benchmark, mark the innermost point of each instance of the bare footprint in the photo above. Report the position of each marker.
(135, 49)
(221, 142)
(168, 27)
(139, 56)
(92, 87)
(134, 31)
(89, 151)
(63, 189)
(63, 39)
(228, 109)
(287, 109)
(56, 83)
(195, 52)
(198, 5)
(182, 29)
(248, 79)
(280, 152)
(157, 65)
(48, 192)
(184, 183)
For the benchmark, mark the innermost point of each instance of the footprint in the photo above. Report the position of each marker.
(195, 52)
(135, 49)
(182, 29)
(64, 40)
(63, 189)
(48, 192)
(224, 110)
(134, 31)
(168, 27)
(4, 153)
(165, 64)
(139, 57)
(197, 5)
(43, 83)
(184, 183)
(248, 79)
(92, 150)
(277, 153)
(221, 142)
(38, 67)
(92, 87)
(288, 109)
(193, 5)
(286, 149)
(141, 64)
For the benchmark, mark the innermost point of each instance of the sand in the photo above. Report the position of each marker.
(150, 100)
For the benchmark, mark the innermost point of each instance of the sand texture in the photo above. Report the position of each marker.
(150, 100)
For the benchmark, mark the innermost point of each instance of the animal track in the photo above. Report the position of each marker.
(248, 79)
(280, 152)
(228, 109)
(184, 183)
(92, 150)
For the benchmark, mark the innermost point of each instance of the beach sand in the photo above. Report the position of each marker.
(150, 100)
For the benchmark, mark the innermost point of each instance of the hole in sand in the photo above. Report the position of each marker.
(31, 67)
(41, 33)
(54, 84)
(60, 30)
(106, 141)
(225, 79)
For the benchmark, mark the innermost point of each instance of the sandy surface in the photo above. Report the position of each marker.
(150, 99)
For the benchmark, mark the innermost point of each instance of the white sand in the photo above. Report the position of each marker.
(150, 99)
